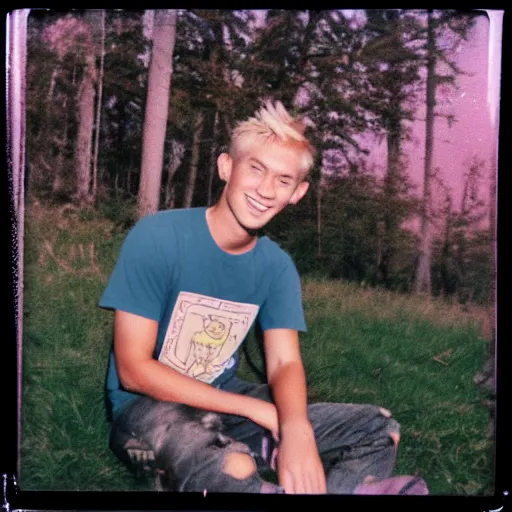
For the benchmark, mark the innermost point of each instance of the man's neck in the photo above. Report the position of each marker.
(227, 233)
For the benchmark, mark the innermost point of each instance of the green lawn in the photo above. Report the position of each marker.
(413, 355)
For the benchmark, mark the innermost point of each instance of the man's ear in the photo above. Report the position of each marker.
(299, 193)
(224, 166)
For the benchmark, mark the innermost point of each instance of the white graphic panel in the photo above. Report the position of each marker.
(204, 333)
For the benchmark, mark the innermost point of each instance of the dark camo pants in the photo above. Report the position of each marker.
(190, 445)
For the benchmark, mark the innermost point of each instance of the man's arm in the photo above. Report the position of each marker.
(299, 466)
(134, 344)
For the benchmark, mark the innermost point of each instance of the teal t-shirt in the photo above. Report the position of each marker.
(204, 299)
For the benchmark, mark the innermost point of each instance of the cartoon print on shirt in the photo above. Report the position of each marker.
(209, 342)
(204, 333)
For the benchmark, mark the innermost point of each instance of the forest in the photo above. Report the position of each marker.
(124, 112)
(127, 111)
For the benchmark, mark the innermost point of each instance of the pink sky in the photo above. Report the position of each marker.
(472, 134)
(473, 103)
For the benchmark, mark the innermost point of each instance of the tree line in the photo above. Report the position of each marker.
(127, 111)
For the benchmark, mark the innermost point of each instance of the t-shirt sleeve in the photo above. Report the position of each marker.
(140, 279)
(283, 307)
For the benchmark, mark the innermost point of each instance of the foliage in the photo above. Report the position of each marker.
(355, 77)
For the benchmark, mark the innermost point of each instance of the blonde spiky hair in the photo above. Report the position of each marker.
(272, 124)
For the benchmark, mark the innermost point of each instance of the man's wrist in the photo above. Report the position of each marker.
(297, 427)
(246, 405)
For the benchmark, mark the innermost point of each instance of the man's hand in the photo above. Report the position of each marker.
(299, 467)
(264, 414)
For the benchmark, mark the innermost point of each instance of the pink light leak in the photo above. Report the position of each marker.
(474, 105)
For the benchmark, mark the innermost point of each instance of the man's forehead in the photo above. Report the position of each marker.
(280, 160)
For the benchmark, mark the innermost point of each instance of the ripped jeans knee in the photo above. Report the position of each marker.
(394, 427)
(239, 465)
(186, 449)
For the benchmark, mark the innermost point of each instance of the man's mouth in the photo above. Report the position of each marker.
(261, 208)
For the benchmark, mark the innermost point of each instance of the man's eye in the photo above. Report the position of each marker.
(255, 168)
(285, 182)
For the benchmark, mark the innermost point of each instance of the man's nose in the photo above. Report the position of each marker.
(266, 187)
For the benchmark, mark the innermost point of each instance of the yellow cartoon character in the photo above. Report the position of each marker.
(208, 343)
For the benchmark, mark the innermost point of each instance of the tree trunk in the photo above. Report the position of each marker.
(129, 181)
(83, 148)
(49, 96)
(448, 287)
(177, 151)
(194, 161)
(213, 158)
(86, 96)
(57, 182)
(148, 22)
(227, 125)
(98, 110)
(390, 224)
(423, 271)
(462, 284)
(172, 200)
(157, 110)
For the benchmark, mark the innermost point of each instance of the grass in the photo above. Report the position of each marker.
(411, 354)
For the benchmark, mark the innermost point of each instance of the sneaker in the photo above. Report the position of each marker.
(395, 485)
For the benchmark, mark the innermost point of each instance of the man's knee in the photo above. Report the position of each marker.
(239, 465)
(394, 434)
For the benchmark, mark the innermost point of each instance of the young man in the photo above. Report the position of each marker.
(186, 289)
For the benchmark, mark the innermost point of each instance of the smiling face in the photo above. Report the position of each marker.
(215, 329)
(261, 181)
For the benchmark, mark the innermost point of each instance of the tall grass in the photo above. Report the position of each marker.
(411, 354)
